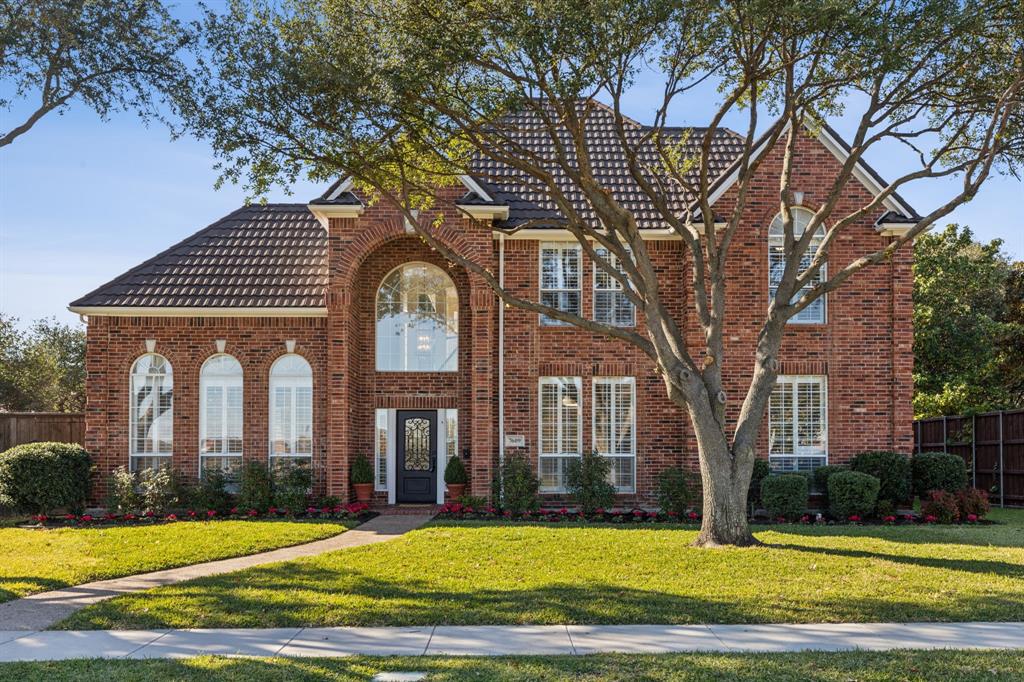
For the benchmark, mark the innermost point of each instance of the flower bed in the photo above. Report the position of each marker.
(357, 511)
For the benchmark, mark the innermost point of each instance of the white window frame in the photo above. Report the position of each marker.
(292, 382)
(790, 461)
(614, 425)
(453, 355)
(778, 240)
(381, 449)
(616, 288)
(224, 382)
(560, 247)
(541, 455)
(134, 454)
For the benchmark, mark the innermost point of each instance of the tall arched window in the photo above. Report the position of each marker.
(220, 415)
(151, 413)
(291, 411)
(417, 320)
(815, 312)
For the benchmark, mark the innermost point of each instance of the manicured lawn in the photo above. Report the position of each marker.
(466, 573)
(38, 560)
(835, 667)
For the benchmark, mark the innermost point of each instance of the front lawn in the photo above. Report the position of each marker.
(36, 560)
(964, 666)
(474, 573)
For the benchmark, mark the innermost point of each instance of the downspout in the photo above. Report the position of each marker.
(501, 354)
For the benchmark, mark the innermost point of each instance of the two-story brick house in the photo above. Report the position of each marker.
(317, 332)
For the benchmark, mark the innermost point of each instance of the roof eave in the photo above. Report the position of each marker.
(324, 212)
(195, 311)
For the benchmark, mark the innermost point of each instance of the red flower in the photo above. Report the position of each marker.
(971, 518)
(149, 514)
(210, 513)
(171, 517)
(311, 510)
(563, 511)
(41, 518)
(930, 518)
(337, 508)
(599, 510)
(87, 517)
(253, 512)
(325, 510)
(854, 518)
(890, 519)
(652, 515)
(191, 514)
(638, 512)
(69, 517)
(272, 510)
(692, 515)
(234, 510)
(806, 518)
(129, 517)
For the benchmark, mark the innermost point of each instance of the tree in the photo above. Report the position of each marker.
(961, 325)
(1013, 342)
(403, 95)
(43, 369)
(112, 55)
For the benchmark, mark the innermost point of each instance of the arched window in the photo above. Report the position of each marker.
(815, 312)
(417, 320)
(291, 411)
(151, 413)
(220, 415)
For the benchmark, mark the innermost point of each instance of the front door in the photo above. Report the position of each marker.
(416, 456)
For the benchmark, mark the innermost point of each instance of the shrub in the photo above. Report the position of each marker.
(785, 495)
(159, 489)
(455, 472)
(211, 492)
(587, 482)
(472, 501)
(892, 470)
(852, 493)
(362, 470)
(291, 486)
(39, 477)
(820, 478)
(255, 487)
(122, 492)
(972, 501)
(675, 490)
(942, 505)
(938, 471)
(517, 485)
(760, 472)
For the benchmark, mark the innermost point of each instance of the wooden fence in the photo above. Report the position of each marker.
(991, 444)
(31, 427)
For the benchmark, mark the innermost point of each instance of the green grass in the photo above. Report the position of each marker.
(964, 666)
(466, 573)
(36, 560)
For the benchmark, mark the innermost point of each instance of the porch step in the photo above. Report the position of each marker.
(406, 509)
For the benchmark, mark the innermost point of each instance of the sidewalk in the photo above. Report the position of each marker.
(40, 611)
(496, 640)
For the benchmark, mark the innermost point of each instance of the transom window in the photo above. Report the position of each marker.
(151, 413)
(417, 320)
(560, 437)
(798, 423)
(615, 428)
(611, 305)
(291, 411)
(220, 415)
(560, 279)
(815, 312)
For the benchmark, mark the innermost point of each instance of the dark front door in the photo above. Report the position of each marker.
(417, 456)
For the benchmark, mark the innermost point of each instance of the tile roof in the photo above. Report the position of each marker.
(260, 256)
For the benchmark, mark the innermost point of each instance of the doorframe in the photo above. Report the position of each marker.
(392, 451)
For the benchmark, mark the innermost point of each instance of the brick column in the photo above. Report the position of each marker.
(903, 350)
(483, 388)
(339, 303)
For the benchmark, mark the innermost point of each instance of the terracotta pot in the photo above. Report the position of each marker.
(364, 491)
(456, 490)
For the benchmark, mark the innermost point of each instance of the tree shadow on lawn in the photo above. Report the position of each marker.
(37, 585)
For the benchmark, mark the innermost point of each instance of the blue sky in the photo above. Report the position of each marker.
(82, 200)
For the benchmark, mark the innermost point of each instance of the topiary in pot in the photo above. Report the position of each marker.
(362, 478)
(852, 493)
(455, 477)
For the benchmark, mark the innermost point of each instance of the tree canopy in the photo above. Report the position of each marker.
(42, 369)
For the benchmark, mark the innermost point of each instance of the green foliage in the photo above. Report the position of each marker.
(785, 495)
(474, 501)
(973, 501)
(892, 469)
(820, 478)
(518, 485)
(160, 489)
(587, 482)
(455, 471)
(362, 470)
(942, 505)
(761, 471)
(256, 487)
(938, 471)
(676, 490)
(41, 369)
(852, 492)
(122, 492)
(211, 492)
(42, 477)
(291, 486)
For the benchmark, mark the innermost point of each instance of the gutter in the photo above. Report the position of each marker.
(501, 356)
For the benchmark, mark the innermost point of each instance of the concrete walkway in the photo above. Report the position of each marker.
(40, 611)
(495, 640)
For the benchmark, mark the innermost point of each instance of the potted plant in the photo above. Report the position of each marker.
(455, 478)
(362, 478)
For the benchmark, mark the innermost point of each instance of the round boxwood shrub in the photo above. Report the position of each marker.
(938, 471)
(41, 477)
(852, 493)
(892, 469)
(821, 476)
(784, 495)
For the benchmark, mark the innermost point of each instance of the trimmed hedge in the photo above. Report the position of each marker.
(676, 490)
(852, 493)
(784, 495)
(938, 471)
(42, 477)
(821, 476)
(892, 469)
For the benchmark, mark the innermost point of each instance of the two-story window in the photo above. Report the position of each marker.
(560, 264)
(560, 434)
(614, 411)
(798, 423)
(611, 305)
(815, 312)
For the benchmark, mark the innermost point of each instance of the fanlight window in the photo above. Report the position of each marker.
(291, 411)
(417, 320)
(815, 312)
(151, 413)
(220, 415)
